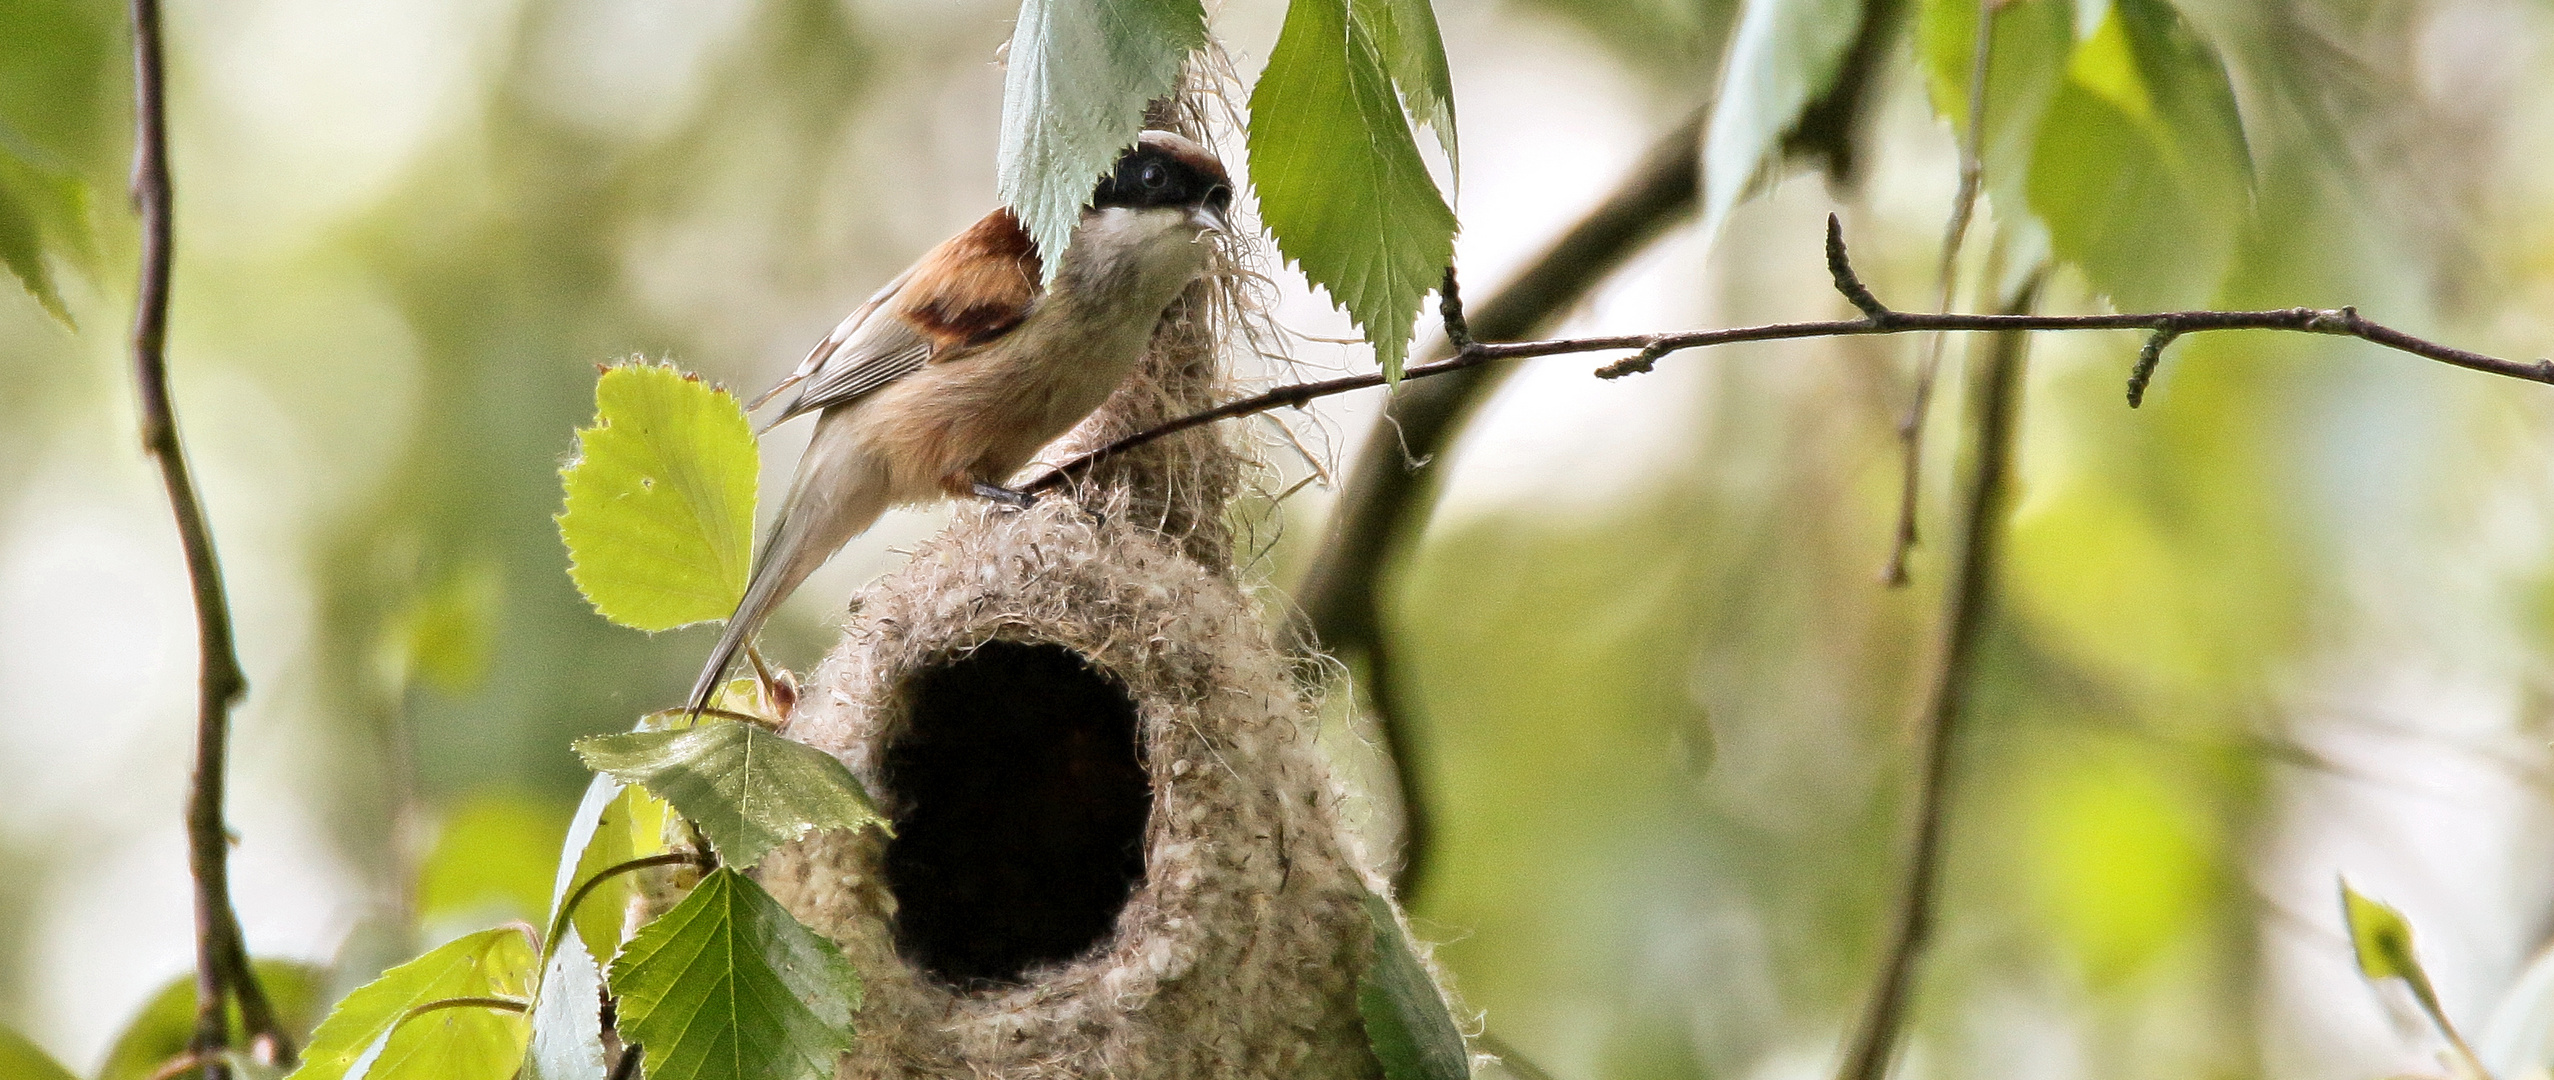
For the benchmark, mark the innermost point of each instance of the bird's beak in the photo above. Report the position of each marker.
(1211, 217)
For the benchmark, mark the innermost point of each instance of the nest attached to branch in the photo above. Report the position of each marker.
(1117, 851)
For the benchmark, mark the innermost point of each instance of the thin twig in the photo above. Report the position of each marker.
(1876, 1042)
(499, 1004)
(222, 972)
(1964, 204)
(1648, 349)
(567, 911)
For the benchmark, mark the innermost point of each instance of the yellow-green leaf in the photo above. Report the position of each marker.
(445, 1044)
(43, 213)
(165, 1025)
(491, 861)
(615, 824)
(660, 501)
(2380, 937)
(22, 1059)
(1405, 35)
(2141, 171)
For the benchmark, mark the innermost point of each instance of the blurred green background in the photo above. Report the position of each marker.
(2285, 622)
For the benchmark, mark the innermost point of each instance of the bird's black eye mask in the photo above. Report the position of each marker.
(1151, 176)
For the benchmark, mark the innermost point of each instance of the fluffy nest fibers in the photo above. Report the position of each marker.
(1117, 852)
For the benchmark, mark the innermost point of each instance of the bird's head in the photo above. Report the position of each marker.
(1167, 170)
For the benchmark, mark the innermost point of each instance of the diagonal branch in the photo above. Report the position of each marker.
(222, 972)
(1647, 349)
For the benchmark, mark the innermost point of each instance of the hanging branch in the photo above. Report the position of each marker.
(1648, 349)
(1964, 204)
(222, 972)
(1389, 488)
(1972, 575)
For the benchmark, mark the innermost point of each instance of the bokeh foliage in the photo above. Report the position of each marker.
(1667, 728)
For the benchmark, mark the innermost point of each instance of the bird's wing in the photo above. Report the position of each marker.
(968, 291)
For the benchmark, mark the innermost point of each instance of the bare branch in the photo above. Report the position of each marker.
(1964, 204)
(1648, 349)
(1999, 402)
(222, 972)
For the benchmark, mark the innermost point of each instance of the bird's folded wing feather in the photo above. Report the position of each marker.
(965, 293)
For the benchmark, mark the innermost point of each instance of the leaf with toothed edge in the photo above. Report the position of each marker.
(365, 1036)
(1081, 74)
(729, 986)
(1341, 184)
(659, 518)
(748, 789)
(567, 1017)
(43, 214)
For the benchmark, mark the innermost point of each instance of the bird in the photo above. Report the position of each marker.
(955, 374)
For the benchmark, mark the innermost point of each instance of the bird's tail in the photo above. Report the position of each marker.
(837, 494)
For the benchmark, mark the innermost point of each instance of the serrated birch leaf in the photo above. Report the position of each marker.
(1340, 181)
(567, 1016)
(748, 789)
(1405, 35)
(42, 213)
(1081, 73)
(1783, 55)
(446, 1044)
(659, 520)
(729, 986)
(1407, 1021)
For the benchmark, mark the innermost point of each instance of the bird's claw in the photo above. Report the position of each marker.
(1015, 499)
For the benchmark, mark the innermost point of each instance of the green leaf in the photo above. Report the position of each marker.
(165, 1025)
(1405, 35)
(2381, 938)
(2141, 170)
(1340, 181)
(22, 1059)
(748, 789)
(446, 1044)
(42, 212)
(490, 861)
(63, 83)
(567, 1017)
(728, 986)
(2026, 64)
(1081, 73)
(614, 825)
(1407, 1021)
(660, 502)
(447, 635)
(1783, 55)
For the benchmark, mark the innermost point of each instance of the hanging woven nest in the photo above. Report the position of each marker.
(1116, 850)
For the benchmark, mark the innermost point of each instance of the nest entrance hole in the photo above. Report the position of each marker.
(1020, 800)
